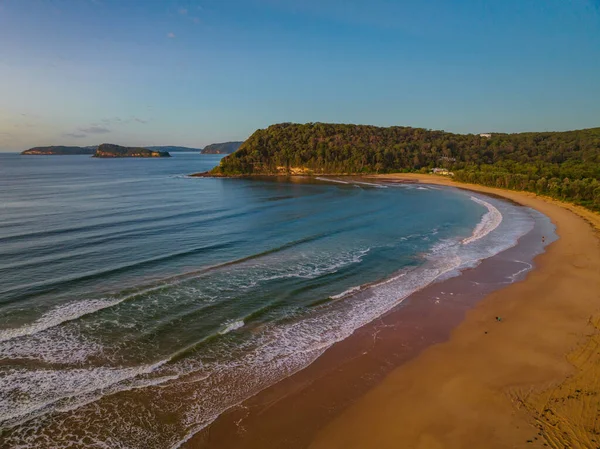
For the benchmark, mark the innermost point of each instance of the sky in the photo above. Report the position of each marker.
(194, 72)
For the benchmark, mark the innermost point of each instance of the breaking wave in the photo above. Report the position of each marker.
(490, 221)
(237, 359)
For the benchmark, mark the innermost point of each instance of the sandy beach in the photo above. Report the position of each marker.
(530, 380)
(425, 376)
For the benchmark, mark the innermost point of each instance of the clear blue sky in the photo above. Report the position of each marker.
(193, 72)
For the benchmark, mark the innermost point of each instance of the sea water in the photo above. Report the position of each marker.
(137, 304)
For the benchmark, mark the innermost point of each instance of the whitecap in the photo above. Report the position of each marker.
(490, 221)
(232, 326)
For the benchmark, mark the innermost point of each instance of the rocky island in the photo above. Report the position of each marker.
(222, 148)
(108, 150)
(174, 149)
(59, 150)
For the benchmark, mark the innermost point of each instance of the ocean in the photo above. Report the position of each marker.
(137, 304)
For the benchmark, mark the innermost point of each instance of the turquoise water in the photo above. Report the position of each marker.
(137, 304)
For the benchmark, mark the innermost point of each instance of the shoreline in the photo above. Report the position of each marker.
(291, 412)
(531, 383)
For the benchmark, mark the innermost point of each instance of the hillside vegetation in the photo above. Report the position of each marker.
(59, 150)
(108, 150)
(173, 149)
(221, 148)
(564, 165)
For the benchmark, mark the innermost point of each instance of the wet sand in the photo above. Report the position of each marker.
(330, 403)
(532, 381)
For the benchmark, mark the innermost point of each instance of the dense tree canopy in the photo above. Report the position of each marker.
(60, 150)
(109, 150)
(221, 148)
(565, 165)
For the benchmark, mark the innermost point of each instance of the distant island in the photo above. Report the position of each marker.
(222, 148)
(174, 149)
(563, 165)
(60, 150)
(108, 150)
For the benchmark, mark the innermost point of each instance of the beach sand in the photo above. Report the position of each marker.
(530, 380)
(392, 384)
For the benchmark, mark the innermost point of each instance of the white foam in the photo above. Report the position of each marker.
(354, 182)
(67, 312)
(372, 184)
(283, 350)
(348, 292)
(490, 221)
(271, 352)
(528, 267)
(332, 180)
(57, 345)
(232, 326)
(56, 316)
(309, 268)
(72, 311)
(52, 340)
(45, 387)
(66, 345)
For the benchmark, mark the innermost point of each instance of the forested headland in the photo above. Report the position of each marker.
(563, 165)
(221, 148)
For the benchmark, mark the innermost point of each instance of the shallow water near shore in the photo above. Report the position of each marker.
(137, 304)
(292, 413)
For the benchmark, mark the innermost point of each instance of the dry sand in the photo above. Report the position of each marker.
(533, 380)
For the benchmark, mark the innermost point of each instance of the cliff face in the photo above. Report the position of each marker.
(221, 148)
(108, 150)
(59, 150)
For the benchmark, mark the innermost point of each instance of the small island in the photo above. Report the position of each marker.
(221, 148)
(108, 150)
(174, 149)
(59, 150)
